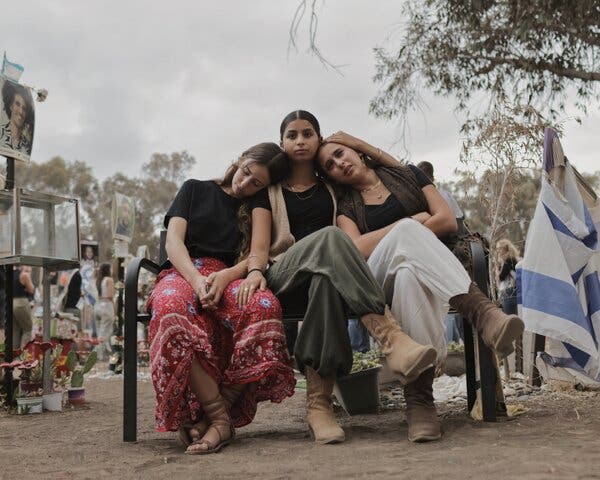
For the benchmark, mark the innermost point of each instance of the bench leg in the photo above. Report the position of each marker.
(130, 363)
(487, 382)
(470, 365)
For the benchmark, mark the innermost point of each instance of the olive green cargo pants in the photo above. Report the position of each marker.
(327, 268)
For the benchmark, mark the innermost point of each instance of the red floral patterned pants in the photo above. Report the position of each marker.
(234, 346)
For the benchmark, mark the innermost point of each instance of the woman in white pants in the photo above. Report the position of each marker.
(104, 310)
(395, 215)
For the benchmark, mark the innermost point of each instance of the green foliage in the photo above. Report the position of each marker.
(90, 361)
(153, 191)
(72, 360)
(77, 379)
(78, 371)
(528, 52)
(363, 361)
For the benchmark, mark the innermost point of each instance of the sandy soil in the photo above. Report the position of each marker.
(559, 437)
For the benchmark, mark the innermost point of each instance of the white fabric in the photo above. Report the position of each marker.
(558, 289)
(104, 289)
(418, 275)
(446, 195)
(104, 314)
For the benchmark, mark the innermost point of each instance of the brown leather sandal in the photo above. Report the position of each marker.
(217, 415)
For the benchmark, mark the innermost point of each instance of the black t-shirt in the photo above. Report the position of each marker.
(73, 290)
(212, 220)
(307, 211)
(508, 266)
(379, 216)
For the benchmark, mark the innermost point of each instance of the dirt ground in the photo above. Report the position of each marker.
(559, 437)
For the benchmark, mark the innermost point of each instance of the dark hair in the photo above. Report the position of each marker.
(268, 154)
(369, 162)
(426, 168)
(341, 190)
(103, 271)
(9, 90)
(276, 161)
(299, 115)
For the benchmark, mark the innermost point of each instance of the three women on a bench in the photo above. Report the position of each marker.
(213, 361)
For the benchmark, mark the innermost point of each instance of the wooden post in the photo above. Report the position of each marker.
(7, 271)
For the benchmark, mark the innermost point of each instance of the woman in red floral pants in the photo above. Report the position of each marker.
(212, 360)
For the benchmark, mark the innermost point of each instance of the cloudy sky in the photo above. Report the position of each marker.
(129, 78)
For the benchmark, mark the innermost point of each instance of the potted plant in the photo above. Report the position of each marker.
(358, 392)
(76, 391)
(29, 398)
(455, 360)
(52, 401)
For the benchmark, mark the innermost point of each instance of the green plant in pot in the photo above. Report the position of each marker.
(358, 392)
(76, 391)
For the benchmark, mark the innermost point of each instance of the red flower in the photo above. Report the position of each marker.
(44, 345)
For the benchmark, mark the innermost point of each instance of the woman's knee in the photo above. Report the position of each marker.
(265, 303)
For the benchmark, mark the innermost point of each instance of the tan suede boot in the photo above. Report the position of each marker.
(404, 356)
(421, 415)
(498, 330)
(319, 413)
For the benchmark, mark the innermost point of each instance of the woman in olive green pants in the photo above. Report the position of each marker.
(330, 270)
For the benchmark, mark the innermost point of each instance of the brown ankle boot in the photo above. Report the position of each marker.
(319, 413)
(497, 329)
(421, 415)
(404, 356)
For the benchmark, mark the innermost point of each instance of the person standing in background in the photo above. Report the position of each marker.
(23, 290)
(508, 256)
(104, 309)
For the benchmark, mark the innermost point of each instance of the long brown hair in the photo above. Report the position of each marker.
(271, 156)
(103, 271)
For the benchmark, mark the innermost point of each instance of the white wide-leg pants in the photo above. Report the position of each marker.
(418, 275)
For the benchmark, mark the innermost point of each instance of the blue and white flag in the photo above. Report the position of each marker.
(11, 70)
(558, 288)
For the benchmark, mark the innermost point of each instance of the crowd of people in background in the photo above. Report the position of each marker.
(86, 293)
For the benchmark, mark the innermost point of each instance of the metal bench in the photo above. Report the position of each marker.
(480, 368)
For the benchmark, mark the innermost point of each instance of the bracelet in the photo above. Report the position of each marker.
(254, 270)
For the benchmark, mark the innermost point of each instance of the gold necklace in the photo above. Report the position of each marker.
(293, 190)
(373, 187)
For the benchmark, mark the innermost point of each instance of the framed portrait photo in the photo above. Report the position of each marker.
(123, 217)
(17, 120)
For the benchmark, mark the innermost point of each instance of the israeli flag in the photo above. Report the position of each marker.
(10, 70)
(558, 288)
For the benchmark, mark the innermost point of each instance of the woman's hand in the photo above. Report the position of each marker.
(346, 139)
(421, 217)
(254, 281)
(199, 286)
(216, 283)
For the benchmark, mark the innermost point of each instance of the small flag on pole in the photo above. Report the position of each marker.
(10, 70)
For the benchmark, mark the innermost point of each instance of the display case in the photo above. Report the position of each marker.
(38, 229)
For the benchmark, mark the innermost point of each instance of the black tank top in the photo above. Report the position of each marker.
(18, 288)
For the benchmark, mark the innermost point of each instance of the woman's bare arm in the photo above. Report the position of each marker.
(180, 256)
(110, 286)
(365, 242)
(442, 221)
(376, 154)
(259, 255)
(25, 279)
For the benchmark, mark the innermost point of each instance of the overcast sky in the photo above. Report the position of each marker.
(129, 78)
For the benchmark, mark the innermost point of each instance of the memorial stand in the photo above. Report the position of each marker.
(36, 237)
